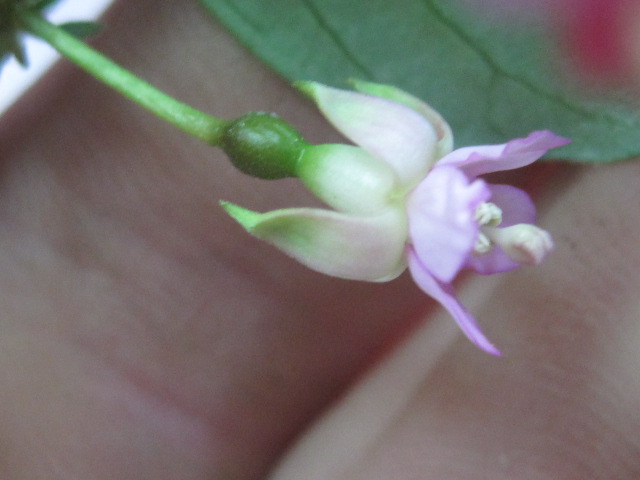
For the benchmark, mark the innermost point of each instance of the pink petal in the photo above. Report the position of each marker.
(517, 153)
(495, 261)
(443, 293)
(394, 133)
(516, 207)
(442, 225)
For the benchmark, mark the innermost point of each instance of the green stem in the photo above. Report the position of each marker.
(199, 124)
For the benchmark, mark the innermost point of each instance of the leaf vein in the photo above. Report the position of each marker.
(335, 37)
(473, 44)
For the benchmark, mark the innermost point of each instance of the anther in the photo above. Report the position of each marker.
(483, 244)
(488, 214)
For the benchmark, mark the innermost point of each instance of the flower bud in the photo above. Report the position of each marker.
(263, 145)
(347, 178)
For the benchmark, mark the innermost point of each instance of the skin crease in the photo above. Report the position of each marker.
(145, 335)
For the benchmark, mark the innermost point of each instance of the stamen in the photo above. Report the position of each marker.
(489, 214)
(483, 244)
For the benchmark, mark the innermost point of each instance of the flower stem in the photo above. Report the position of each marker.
(199, 124)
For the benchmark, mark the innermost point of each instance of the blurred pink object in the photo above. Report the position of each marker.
(600, 33)
(600, 37)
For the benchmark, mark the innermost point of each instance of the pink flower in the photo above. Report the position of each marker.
(402, 198)
(469, 223)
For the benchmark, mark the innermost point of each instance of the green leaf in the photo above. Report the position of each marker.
(491, 82)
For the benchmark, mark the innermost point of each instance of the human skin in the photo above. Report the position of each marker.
(145, 335)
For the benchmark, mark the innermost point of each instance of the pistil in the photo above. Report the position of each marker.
(523, 243)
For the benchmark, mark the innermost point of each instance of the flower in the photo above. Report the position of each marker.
(403, 197)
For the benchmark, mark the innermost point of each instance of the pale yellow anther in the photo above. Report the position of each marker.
(488, 214)
(483, 244)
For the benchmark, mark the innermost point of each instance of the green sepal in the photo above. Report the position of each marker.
(10, 45)
(248, 219)
(10, 42)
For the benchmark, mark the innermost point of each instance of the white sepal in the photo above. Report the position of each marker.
(388, 130)
(356, 247)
